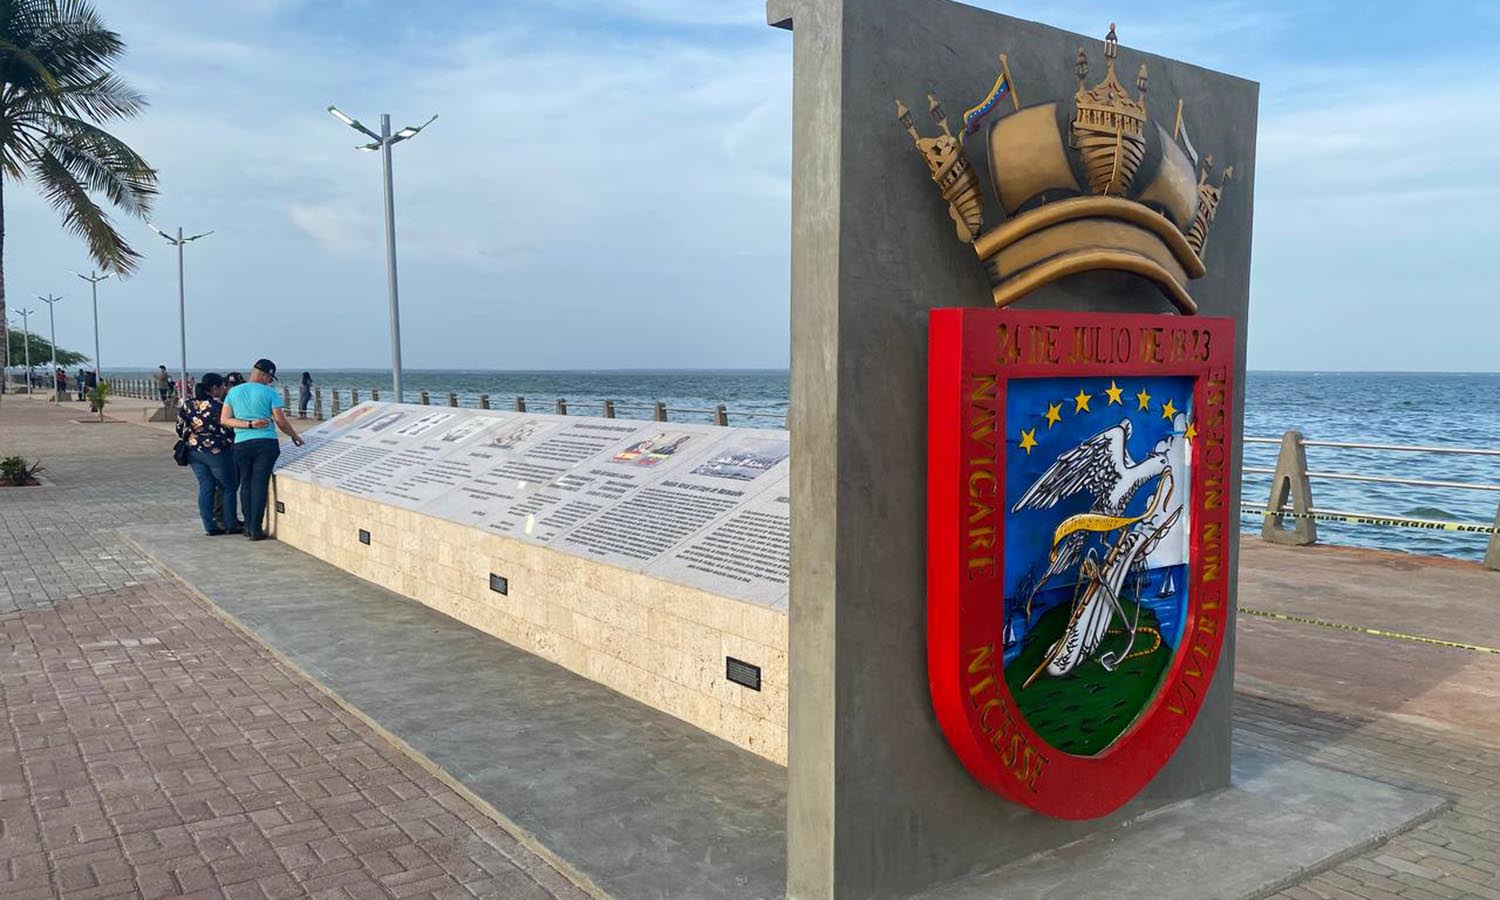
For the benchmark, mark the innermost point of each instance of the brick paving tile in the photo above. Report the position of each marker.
(148, 749)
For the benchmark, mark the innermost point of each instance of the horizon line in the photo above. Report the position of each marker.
(640, 369)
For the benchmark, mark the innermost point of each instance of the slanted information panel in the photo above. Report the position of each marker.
(699, 505)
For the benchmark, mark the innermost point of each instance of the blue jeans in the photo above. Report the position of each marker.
(255, 459)
(215, 470)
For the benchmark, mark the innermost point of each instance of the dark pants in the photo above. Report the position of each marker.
(215, 470)
(255, 459)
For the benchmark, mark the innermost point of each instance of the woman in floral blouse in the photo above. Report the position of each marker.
(211, 454)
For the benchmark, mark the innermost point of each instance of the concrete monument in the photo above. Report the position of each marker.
(1064, 416)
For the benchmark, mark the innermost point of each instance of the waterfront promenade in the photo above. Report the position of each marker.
(149, 748)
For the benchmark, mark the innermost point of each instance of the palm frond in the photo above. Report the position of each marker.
(104, 99)
(82, 216)
(101, 168)
(18, 57)
(57, 84)
(68, 38)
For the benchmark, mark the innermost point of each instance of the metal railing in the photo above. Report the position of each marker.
(1290, 517)
(329, 403)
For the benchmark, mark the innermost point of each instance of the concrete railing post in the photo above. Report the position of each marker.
(609, 409)
(520, 404)
(334, 409)
(353, 397)
(318, 403)
(721, 417)
(426, 400)
(452, 398)
(562, 407)
(286, 396)
(375, 395)
(484, 401)
(1290, 482)
(661, 411)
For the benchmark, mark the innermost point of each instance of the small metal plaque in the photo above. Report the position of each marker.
(741, 672)
(364, 536)
(499, 584)
(280, 506)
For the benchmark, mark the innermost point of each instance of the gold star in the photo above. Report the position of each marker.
(1144, 399)
(1028, 440)
(1192, 431)
(1082, 401)
(1168, 410)
(1054, 414)
(1114, 391)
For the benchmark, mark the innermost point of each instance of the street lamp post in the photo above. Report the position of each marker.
(26, 330)
(52, 324)
(178, 242)
(93, 279)
(383, 142)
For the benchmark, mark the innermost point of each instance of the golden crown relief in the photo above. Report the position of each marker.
(1053, 228)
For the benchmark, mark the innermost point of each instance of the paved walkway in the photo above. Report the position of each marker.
(637, 802)
(148, 749)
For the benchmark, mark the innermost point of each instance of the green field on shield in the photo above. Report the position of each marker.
(1083, 712)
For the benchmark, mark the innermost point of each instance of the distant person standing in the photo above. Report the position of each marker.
(163, 383)
(79, 384)
(304, 395)
(250, 409)
(60, 379)
(90, 380)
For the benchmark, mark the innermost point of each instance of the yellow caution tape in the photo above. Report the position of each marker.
(1388, 521)
(1375, 632)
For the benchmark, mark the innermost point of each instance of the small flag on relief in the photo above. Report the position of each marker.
(973, 116)
(1179, 131)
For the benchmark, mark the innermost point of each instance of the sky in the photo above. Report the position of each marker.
(608, 184)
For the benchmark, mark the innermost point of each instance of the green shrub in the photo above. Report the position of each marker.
(98, 396)
(15, 470)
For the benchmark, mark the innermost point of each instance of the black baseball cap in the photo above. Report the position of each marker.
(265, 365)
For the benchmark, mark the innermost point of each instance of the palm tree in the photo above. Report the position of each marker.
(57, 86)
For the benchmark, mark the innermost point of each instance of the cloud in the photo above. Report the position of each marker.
(336, 228)
(634, 181)
(608, 184)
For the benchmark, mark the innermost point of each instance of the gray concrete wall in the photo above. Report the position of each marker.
(878, 805)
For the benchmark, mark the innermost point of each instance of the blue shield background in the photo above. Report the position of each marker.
(1028, 533)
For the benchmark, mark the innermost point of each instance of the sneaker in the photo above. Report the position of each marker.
(238, 529)
(215, 532)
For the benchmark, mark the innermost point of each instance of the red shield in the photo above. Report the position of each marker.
(1078, 527)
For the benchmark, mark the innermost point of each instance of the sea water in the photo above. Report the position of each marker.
(1412, 409)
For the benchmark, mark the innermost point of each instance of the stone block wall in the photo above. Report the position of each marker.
(660, 643)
